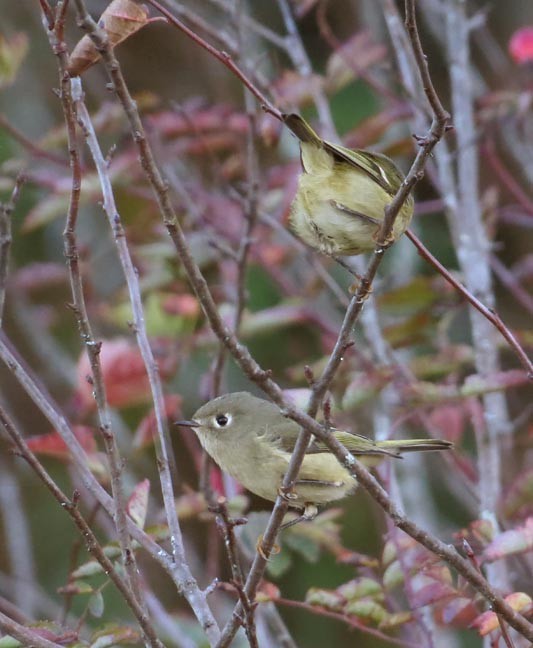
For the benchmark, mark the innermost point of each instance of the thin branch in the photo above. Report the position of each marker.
(26, 636)
(17, 545)
(440, 113)
(262, 377)
(506, 177)
(199, 23)
(79, 308)
(30, 144)
(6, 210)
(257, 27)
(298, 55)
(351, 621)
(178, 571)
(163, 449)
(223, 57)
(91, 542)
(512, 284)
(227, 525)
(473, 249)
(488, 313)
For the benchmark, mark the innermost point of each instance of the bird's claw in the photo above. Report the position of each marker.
(287, 494)
(259, 548)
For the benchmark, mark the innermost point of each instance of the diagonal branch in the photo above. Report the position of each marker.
(261, 377)
(91, 542)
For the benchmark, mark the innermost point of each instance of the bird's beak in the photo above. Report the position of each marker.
(192, 424)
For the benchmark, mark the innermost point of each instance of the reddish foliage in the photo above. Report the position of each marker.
(124, 374)
(521, 45)
(52, 445)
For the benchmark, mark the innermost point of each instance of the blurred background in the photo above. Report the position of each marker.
(220, 154)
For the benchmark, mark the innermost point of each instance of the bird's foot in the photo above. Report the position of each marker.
(259, 548)
(287, 494)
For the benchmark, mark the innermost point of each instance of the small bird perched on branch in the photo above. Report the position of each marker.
(249, 438)
(342, 194)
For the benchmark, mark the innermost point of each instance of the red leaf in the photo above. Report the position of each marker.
(124, 374)
(427, 590)
(458, 612)
(184, 305)
(52, 445)
(138, 503)
(488, 621)
(512, 542)
(521, 45)
(449, 421)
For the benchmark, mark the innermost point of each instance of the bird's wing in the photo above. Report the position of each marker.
(284, 435)
(378, 167)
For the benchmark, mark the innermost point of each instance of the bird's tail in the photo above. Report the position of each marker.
(396, 447)
(301, 129)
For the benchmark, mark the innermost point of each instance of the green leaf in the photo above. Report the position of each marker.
(367, 610)
(76, 587)
(90, 568)
(420, 293)
(362, 587)
(440, 365)
(279, 564)
(96, 604)
(329, 599)
(12, 52)
(393, 621)
(114, 635)
(303, 545)
(393, 576)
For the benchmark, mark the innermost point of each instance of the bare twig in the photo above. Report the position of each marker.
(262, 377)
(78, 306)
(200, 24)
(6, 210)
(30, 145)
(177, 570)
(223, 57)
(163, 448)
(473, 249)
(301, 62)
(488, 313)
(26, 636)
(258, 27)
(227, 525)
(91, 542)
(345, 618)
(17, 546)
(512, 284)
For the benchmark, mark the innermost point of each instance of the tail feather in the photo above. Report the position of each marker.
(414, 445)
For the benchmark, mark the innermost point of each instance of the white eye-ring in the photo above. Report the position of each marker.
(222, 420)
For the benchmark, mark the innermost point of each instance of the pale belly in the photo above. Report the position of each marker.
(316, 218)
(322, 478)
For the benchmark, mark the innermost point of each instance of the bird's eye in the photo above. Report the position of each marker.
(222, 420)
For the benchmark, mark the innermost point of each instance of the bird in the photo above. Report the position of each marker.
(249, 438)
(339, 205)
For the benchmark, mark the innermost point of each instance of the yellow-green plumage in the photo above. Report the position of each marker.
(255, 445)
(342, 194)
